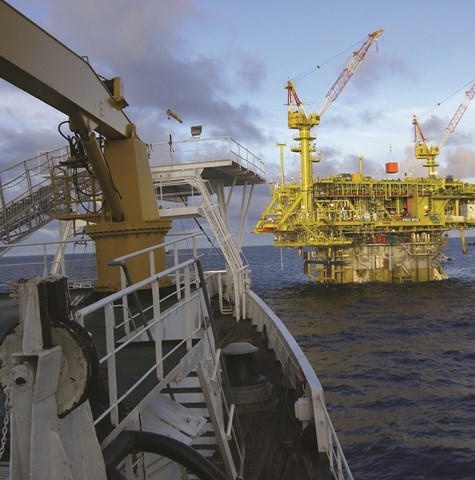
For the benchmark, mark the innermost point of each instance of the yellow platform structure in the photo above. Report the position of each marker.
(360, 229)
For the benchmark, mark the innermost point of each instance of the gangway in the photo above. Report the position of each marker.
(189, 178)
(26, 199)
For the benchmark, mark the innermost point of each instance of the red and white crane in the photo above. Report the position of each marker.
(429, 153)
(299, 120)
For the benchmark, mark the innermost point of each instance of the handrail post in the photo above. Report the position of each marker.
(45, 262)
(111, 364)
(188, 322)
(158, 329)
(176, 261)
(135, 295)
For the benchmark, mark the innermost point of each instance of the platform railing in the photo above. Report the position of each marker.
(205, 150)
(300, 375)
(185, 315)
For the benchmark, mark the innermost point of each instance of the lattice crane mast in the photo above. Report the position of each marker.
(429, 153)
(299, 120)
(351, 67)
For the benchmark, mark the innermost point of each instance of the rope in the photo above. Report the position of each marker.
(445, 99)
(320, 65)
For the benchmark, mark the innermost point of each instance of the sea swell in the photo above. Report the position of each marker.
(396, 363)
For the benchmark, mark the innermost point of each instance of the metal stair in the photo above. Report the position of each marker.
(26, 198)
(192, 181)
(203, 407)
(189, 394)
(225, 239)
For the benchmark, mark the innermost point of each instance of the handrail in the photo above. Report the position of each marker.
(292, 357)
(26, 196)
(205, 150)
(183, 238)
(27, 171)
(196, 317)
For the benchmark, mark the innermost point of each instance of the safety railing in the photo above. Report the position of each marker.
(26, 176)
(26, 260)
(125, 330)
(184, 317)
(205, 150)
(296, 368)
(25, 195)
(173, 246)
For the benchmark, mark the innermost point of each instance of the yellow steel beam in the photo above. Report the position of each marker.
(37, 63)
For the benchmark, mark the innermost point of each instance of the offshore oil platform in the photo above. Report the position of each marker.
(352, 228)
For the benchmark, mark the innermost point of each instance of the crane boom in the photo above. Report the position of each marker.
(299, 120)
(351, 67)
(129, 219)
(36, 62)
(419, 137)
(426, 152)
(457, 116)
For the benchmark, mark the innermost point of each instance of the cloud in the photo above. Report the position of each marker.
(460, 138)
(161, 69)
(29, 126)
(159, 65)
(17, 146)
(336, 120)
(250, 71)
(375, 67)
(459, 162)
(119, 31)
(371, 117)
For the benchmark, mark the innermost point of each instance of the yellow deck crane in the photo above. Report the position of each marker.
(299, 120)
(124, 216)
(302, 200)
(429, 153)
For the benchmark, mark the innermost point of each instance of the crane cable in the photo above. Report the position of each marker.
(386, 76)
(445, 99)
(320, 65)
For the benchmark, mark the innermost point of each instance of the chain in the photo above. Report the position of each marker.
(6, 419)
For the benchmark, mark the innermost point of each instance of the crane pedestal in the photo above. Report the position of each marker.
(114, 240)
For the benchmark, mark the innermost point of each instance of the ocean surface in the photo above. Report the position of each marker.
(397, 362)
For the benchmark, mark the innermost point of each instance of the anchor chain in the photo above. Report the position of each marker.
(6, 420)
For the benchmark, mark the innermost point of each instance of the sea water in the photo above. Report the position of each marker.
(396, 362)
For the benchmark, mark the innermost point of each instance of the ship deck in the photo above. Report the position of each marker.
(274, 446)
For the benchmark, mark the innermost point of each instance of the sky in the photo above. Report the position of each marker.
(224, 64)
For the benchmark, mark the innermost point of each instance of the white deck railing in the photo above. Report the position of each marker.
(205, 150)
(182, 317)
(126, 332)
(295, 365)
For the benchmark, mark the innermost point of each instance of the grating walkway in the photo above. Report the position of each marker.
(26, 198)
